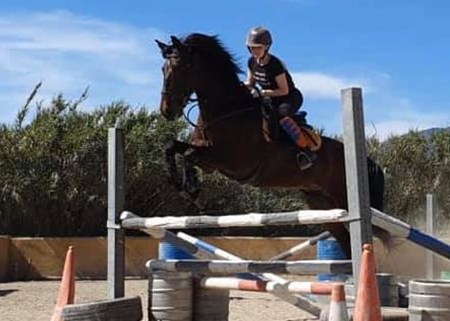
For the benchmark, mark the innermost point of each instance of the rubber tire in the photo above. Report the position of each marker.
(129, 309)
(436, 287)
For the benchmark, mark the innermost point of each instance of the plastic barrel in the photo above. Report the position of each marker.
(330, 249)
(211, 304)
(168, 251)
(170, 296)
(387, 288)
(429, 300)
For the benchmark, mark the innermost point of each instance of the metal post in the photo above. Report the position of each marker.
(116, 192)
(356, 174)
(431, 215)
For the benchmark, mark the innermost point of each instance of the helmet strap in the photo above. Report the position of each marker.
(266, 52)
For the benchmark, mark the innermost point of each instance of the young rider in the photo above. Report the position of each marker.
(270, 74)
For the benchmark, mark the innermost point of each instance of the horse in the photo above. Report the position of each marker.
(228, 135)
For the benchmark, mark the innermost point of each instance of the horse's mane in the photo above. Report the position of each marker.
(214, 54)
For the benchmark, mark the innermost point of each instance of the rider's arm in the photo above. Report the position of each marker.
(283, 87)
(250, 83)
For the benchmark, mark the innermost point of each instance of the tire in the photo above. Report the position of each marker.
(129, 309)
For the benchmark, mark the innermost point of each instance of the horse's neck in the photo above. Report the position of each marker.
(217, 102)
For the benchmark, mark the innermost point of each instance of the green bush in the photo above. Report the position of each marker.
(53, 172)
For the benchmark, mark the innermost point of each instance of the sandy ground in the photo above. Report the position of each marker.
(35, 301)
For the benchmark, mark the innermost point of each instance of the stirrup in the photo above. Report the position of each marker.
(305, 159)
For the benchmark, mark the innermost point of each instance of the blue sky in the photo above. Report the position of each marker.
(398, 51)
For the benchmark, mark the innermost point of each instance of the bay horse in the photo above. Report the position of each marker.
(228, 136)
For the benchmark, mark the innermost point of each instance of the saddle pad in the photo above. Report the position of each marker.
(313, 138)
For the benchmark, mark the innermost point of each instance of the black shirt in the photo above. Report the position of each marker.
(265, 75)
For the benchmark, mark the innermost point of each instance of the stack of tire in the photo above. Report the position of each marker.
(129, 309)
(429, 300)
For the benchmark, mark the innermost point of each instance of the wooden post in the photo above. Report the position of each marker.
(431, 215)
(116, 192)
(357, 175)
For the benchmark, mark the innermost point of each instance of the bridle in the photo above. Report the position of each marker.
(195, 102)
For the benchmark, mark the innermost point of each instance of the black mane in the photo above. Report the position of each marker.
(213, 53)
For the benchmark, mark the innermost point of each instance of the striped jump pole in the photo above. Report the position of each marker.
(232, 283)
(198, 247)
(245, 220)
(401, 229)
(301, 247)
(306, 267)
(298, 301)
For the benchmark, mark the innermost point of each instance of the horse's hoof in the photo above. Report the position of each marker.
(194, 193)
(200, 203)
(175, 182)
(192, 190)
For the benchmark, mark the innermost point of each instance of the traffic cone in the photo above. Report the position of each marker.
(338, 307)
(67, 289)
(367, 306)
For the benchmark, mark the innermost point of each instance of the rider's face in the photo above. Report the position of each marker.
(258, 51)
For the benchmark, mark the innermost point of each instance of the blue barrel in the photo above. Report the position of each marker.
(167, 251)
(330, 249)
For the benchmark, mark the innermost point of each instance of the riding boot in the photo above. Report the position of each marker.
(305, 157)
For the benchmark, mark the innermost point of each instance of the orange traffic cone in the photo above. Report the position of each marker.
(367, 306)
(338, 307)
(67, 289)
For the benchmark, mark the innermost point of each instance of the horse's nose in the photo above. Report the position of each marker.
(164, 109)
(167, 114)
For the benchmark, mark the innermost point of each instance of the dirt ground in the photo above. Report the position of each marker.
(35, 301)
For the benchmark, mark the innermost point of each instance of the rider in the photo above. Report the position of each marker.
(270, 73)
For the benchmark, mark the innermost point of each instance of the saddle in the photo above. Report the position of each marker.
(274, 133)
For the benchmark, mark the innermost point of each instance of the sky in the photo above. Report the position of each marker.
(396, 51)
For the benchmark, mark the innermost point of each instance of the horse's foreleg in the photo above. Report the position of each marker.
(190, 181)
(204, 157)
(170, 150)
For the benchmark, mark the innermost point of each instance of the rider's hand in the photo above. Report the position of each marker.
(256, 93)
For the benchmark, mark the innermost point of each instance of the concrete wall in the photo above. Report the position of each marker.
(40, 258)
(4, 257)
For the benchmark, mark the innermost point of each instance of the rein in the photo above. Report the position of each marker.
(195, 103)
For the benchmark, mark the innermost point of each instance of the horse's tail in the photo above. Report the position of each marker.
(376, 184)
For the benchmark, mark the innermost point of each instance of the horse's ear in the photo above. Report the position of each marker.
(177, 43)
(166, 50)
(161, 45)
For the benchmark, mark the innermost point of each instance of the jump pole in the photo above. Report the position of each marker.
(197, 247)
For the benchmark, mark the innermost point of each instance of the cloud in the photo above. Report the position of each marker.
(385, 112)
(401, 119)
(317, 85)
(296, 1)
(69, 52)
